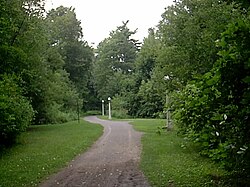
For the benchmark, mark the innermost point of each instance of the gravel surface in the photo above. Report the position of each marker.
(112, 161)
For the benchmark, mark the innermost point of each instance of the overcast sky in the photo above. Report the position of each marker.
(99, 17)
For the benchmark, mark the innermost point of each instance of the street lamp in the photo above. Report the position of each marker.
(109, 99)
(103, 107)
(78, 111)
(168, 114)
(168, 117)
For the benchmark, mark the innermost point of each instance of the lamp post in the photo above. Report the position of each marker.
(103, 107)
(168, 112)
(109, 99)
(168, 115)
(78, 111)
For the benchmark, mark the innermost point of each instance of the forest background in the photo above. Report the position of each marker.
(197, 58)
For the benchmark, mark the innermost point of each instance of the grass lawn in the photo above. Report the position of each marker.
(43, 150)
(168, 160)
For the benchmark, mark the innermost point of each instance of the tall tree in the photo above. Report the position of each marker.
(142, 100)
(16, 55)
(188, 30)
(66, 35)
(146, 58)
(115, 55)
(187, 34)
(213, 110)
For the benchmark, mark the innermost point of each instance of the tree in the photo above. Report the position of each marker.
(138, 103)
(185, 43)
(146, 58)
(188, 30)
(115, 56)
(66, 35)
(17, 19)
(150, 101)
(215, 107)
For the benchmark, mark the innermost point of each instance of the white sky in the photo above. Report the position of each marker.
(99, 17)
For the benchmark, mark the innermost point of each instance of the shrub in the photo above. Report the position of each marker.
(214, 109)
(119, 105)
(15, 110)
(120, 114)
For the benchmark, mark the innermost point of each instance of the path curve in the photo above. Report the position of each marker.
(112, 161)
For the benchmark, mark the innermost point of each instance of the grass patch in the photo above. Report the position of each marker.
(92, 113)
(169, 160)
(43, 150)
(113, 118)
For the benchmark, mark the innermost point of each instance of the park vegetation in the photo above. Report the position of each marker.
(42, 151)
(45, 66)
(198, 56)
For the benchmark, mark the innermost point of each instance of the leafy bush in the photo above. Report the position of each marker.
(92, 113)
(214, 109)
(119, 105)
(120, 114)
(15, 110)
(150, 101)
(56, 114)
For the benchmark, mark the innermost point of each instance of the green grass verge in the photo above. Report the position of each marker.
(113, 118)
(169, 160)
(43, 150)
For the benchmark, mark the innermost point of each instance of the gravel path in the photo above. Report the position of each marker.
(112, 161)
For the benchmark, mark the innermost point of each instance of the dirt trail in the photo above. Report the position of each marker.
(111, 161)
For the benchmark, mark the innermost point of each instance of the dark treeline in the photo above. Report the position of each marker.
(197, 56)
(44, 66)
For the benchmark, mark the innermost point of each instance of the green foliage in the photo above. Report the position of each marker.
(119, 107)
(214, 109)
(15, 110)
(170, 160)
(208, 81)
(92, 112)
(183, 46)
(65, 34)
(141, 102)
(146, 58)
(60, 107)
(149, 100)
(187, 32)
(13, 59)
(63, 26)
(49, 58)
(19, 28)
(115, 61)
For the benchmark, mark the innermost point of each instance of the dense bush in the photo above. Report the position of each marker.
(213, 110)
(15, 110)
(119, 107)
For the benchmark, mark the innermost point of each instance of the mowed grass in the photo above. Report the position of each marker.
(169, 160)
(43, 150)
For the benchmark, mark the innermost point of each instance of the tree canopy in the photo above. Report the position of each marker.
(44, 69)
(197, 58)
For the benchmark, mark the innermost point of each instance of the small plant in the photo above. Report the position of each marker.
(159, 130)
